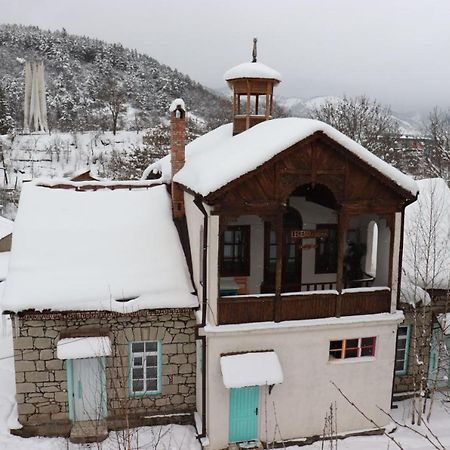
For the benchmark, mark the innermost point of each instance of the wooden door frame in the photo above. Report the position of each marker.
(267, 282)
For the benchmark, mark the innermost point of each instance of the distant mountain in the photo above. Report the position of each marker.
(77, 70)
(410, 124)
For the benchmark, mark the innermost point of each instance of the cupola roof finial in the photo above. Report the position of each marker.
(254, 52)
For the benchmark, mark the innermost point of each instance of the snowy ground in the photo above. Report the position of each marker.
(176, 437)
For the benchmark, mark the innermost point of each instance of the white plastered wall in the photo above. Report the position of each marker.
(304, 397)
(195, 222)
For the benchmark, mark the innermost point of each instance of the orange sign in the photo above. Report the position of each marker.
(309, 234)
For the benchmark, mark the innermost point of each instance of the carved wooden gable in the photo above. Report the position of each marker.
(315, 160)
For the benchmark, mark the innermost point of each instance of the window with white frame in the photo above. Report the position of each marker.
(352, 348)
(145, 367)
(401, 357)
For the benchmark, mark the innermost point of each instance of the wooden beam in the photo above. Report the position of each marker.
(279, 267)
(342, 231)
(390, 219)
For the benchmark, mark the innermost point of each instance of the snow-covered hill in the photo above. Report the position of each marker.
(79, 72)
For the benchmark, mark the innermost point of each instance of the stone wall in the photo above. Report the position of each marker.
(41, 378)
(419, 347)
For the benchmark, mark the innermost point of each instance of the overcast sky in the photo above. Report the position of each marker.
(397, 51)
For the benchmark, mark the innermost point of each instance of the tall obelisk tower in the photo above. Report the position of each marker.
(35, 107)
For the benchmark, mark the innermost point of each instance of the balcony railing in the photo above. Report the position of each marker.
(304, 305)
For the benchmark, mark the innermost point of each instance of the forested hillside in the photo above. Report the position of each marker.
(82, 73)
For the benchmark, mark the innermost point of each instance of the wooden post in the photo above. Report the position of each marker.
(279, 266)
(390, 221)
(268, 100)
(342, 231)
(247, 120)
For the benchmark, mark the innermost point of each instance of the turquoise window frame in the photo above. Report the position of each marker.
(404, 371)
(158, 391)
(69, 372)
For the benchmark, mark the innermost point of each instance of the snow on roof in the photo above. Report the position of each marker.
(6, 227)
(251, 369)
(223, 158)
(115, 250)
(83, 347)
(252, 70)
(203, 143)
(178, 102)
(426, 246)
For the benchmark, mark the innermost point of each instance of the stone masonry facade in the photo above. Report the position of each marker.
(41, 378)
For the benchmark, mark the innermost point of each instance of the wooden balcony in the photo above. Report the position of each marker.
(301, 306)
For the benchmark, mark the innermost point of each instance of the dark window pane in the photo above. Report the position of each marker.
(402, 331)
(137, 361)
(351, 353)
(399, 365)
(151, 346)
(336, 354)
(138, 385)
(352, 343)
(138, 373)
(152, 384)
(367, 351)
(365, 342)
(151, 360)
(137, 347)
(326, 250)
(235, 251)
(152, 372)
(400, 354)
(335, 345)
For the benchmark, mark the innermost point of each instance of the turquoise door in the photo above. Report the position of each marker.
(439, 368)
(244, 414)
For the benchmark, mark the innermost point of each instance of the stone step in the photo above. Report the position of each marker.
(86, 431)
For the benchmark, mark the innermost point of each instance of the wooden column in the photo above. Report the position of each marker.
(342, 231)
(247, 120)
(279, 267)
(390, 220)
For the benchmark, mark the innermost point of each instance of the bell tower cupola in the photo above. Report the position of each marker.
(252, 84)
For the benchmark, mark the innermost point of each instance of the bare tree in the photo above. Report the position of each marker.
(113, 95)
(438, 151)
(364, 120)
(425, 269)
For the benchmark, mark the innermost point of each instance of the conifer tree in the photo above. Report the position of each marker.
(6, 121)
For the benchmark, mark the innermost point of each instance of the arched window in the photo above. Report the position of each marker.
(370, 266)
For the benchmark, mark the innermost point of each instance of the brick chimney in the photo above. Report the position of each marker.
(177, 145)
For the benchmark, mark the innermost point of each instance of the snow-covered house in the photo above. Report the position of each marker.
(295, 237)
(103, 309)
(423, 339)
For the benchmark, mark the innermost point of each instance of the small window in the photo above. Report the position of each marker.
(326, 250)
(235, 251)
(145, 368)
(401, 357)
(352, 348)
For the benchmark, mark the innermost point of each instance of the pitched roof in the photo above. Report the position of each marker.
(96, 250)
(218, 158)
(426, 242)
(252, 70)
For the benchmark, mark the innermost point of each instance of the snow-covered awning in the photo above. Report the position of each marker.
(251, 369)
(83, 347)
